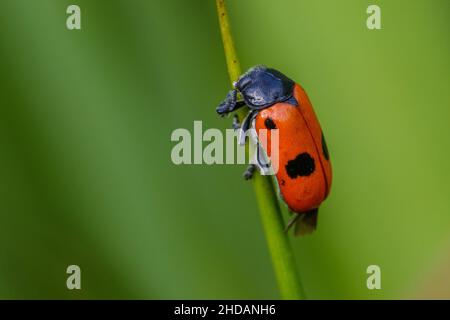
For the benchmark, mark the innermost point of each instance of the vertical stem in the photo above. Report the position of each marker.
(277, 240)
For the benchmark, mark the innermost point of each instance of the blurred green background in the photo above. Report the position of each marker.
(85, 167)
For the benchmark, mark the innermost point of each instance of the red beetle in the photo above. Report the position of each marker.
(276, 102)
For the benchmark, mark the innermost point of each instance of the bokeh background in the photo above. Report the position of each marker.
(86, 176)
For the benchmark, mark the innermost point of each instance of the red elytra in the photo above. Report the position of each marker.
(304, 175)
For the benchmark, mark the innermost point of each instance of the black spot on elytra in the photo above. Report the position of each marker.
(269, 124)
(302, 166)
(325, 148)
(283, 182)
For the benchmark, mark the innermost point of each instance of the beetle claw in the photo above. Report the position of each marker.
(236, 124)
(248, 174)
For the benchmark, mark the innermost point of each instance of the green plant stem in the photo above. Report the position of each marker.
(269, 207)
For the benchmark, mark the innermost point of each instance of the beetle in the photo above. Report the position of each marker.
(277, 102)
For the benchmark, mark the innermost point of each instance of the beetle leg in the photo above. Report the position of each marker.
(262, 161)
(248, 174)
(236, 124)
(246, 125)
(296, 218)
(230, 103)
(259, 162)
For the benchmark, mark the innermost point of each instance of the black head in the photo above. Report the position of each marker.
(262, 87)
